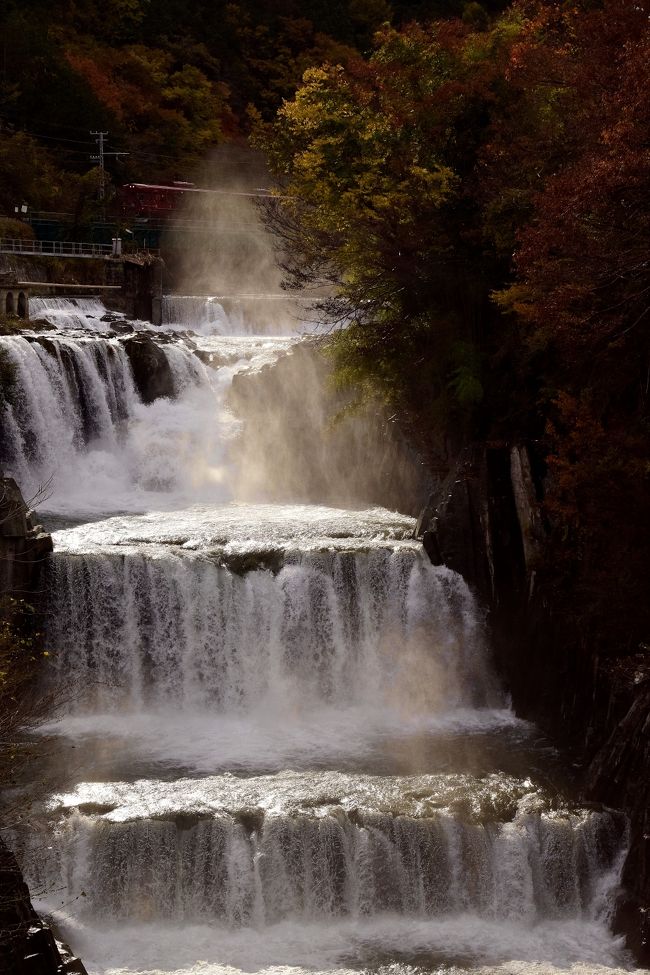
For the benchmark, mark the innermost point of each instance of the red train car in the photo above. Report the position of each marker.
(159, 201)
(154, 201)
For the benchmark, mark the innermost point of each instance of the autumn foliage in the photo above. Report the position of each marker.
(478, 193)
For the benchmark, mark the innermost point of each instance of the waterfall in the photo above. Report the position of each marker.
(255, 314)
(340, 628)
(203, 314)
(62, 395)
(278, 739)
(72, 417)
(70, 313)
(248, 866)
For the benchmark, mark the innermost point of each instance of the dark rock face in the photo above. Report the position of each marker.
(455, 525)
(619, 774)
(151, 370)
(486, 523)
(17, 915)
(27, 945)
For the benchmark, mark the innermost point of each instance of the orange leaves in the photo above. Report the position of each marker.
(103, 70)
(155, 100)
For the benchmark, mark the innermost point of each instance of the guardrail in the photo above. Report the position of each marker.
(64, 248)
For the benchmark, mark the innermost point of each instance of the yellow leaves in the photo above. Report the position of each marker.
(438, 182)
(518, 299)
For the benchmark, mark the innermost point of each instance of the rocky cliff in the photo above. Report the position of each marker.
(23, 543)
(486, 522)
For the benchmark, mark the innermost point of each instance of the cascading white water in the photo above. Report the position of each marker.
(339, 628)
(200, 652)
(72, 418)
(63, 395)
(255, 314)
(201, 313)
(337, 846)
(69, 313)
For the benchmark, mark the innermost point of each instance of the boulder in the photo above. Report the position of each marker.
(151, 370)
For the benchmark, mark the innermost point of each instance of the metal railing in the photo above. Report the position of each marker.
(64, 248)
(54, 248)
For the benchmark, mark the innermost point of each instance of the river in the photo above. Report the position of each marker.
(276, 741)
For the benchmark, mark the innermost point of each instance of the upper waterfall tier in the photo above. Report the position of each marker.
(261, 314)
(117, 416)
(203, 315)
(71, 313)
(73, 418)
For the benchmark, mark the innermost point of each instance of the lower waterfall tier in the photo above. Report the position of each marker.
(250, 852)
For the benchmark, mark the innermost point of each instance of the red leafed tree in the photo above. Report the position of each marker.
(582, 287)
(585, 255)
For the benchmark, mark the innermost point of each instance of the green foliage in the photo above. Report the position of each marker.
(376, 163)
(465, 379)
(27, 174)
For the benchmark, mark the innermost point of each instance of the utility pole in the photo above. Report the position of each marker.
(100, 159)
(100, 140)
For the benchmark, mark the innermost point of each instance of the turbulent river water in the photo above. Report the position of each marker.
(276, 742)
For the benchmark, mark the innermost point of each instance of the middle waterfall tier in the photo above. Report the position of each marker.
(381, 627)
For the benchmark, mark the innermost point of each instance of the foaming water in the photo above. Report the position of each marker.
(389, 945)
(240, 528)
(272, 738)
(70, 313)
(239, 315)
(72, 416)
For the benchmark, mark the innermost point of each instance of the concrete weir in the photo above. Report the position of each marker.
(131, 284)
